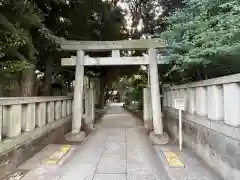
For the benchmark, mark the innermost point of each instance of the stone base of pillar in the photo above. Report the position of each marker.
(79, 137)
(159, 139)
(148, 125)
(90, 126)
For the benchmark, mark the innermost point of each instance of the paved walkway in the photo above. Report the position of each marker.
(118, 150)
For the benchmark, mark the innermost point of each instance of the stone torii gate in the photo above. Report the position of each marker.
(157, 136)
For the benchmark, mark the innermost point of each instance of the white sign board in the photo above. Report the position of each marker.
(179, 103)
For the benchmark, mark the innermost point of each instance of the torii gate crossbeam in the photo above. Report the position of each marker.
(111, 45)
(108, 61)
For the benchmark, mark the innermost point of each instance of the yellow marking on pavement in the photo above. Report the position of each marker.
(50, 161)
(57, 155)
(65, 148)
(173, 159)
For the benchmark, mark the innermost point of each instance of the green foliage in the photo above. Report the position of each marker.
(29, 31)
(13, 66)
(204, 34)
(17, 18)
(133, 87)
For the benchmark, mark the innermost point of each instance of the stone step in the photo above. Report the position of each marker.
(13, 174)
(47, 163)
(184, 164)
(53, 154)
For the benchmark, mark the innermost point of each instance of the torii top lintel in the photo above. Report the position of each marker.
(70, 45)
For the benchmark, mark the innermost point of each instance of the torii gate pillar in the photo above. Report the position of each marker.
(155, 92)
(157, 136)
(78, 93)
(77, 134)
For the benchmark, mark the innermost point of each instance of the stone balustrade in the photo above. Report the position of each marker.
(217, 99)
(27, 124)
(25, 114)
(211, 121)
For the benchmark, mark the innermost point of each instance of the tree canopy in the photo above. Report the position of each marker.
(204, 39)
(29, 32)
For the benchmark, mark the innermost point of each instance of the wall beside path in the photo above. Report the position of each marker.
(211, 121)
(27, 124)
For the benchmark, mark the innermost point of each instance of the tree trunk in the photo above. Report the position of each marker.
(120, 90)
(28, 81)
(102, 92)
(69, 90)
(47, 81)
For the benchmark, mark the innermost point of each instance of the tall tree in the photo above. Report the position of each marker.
(29, 29)
(17, 18)
(149, 16)
(205, 40)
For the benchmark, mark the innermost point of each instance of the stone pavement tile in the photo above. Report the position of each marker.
(40, 177)
(195, 169)
(43, 173)
(143, 176)
(113, 158)
(89, 151)
(117, 117)
(110, 177)
(142, 159)
(112, 164)
(119, 137)
(114, 131)
(80, 171)
(83, 164)
(138, 161)
(93, 154)
(115, 148)
(133, 167)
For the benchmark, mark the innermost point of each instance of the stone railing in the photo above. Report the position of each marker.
(211, 121)
(22, 116)
(217, 99)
